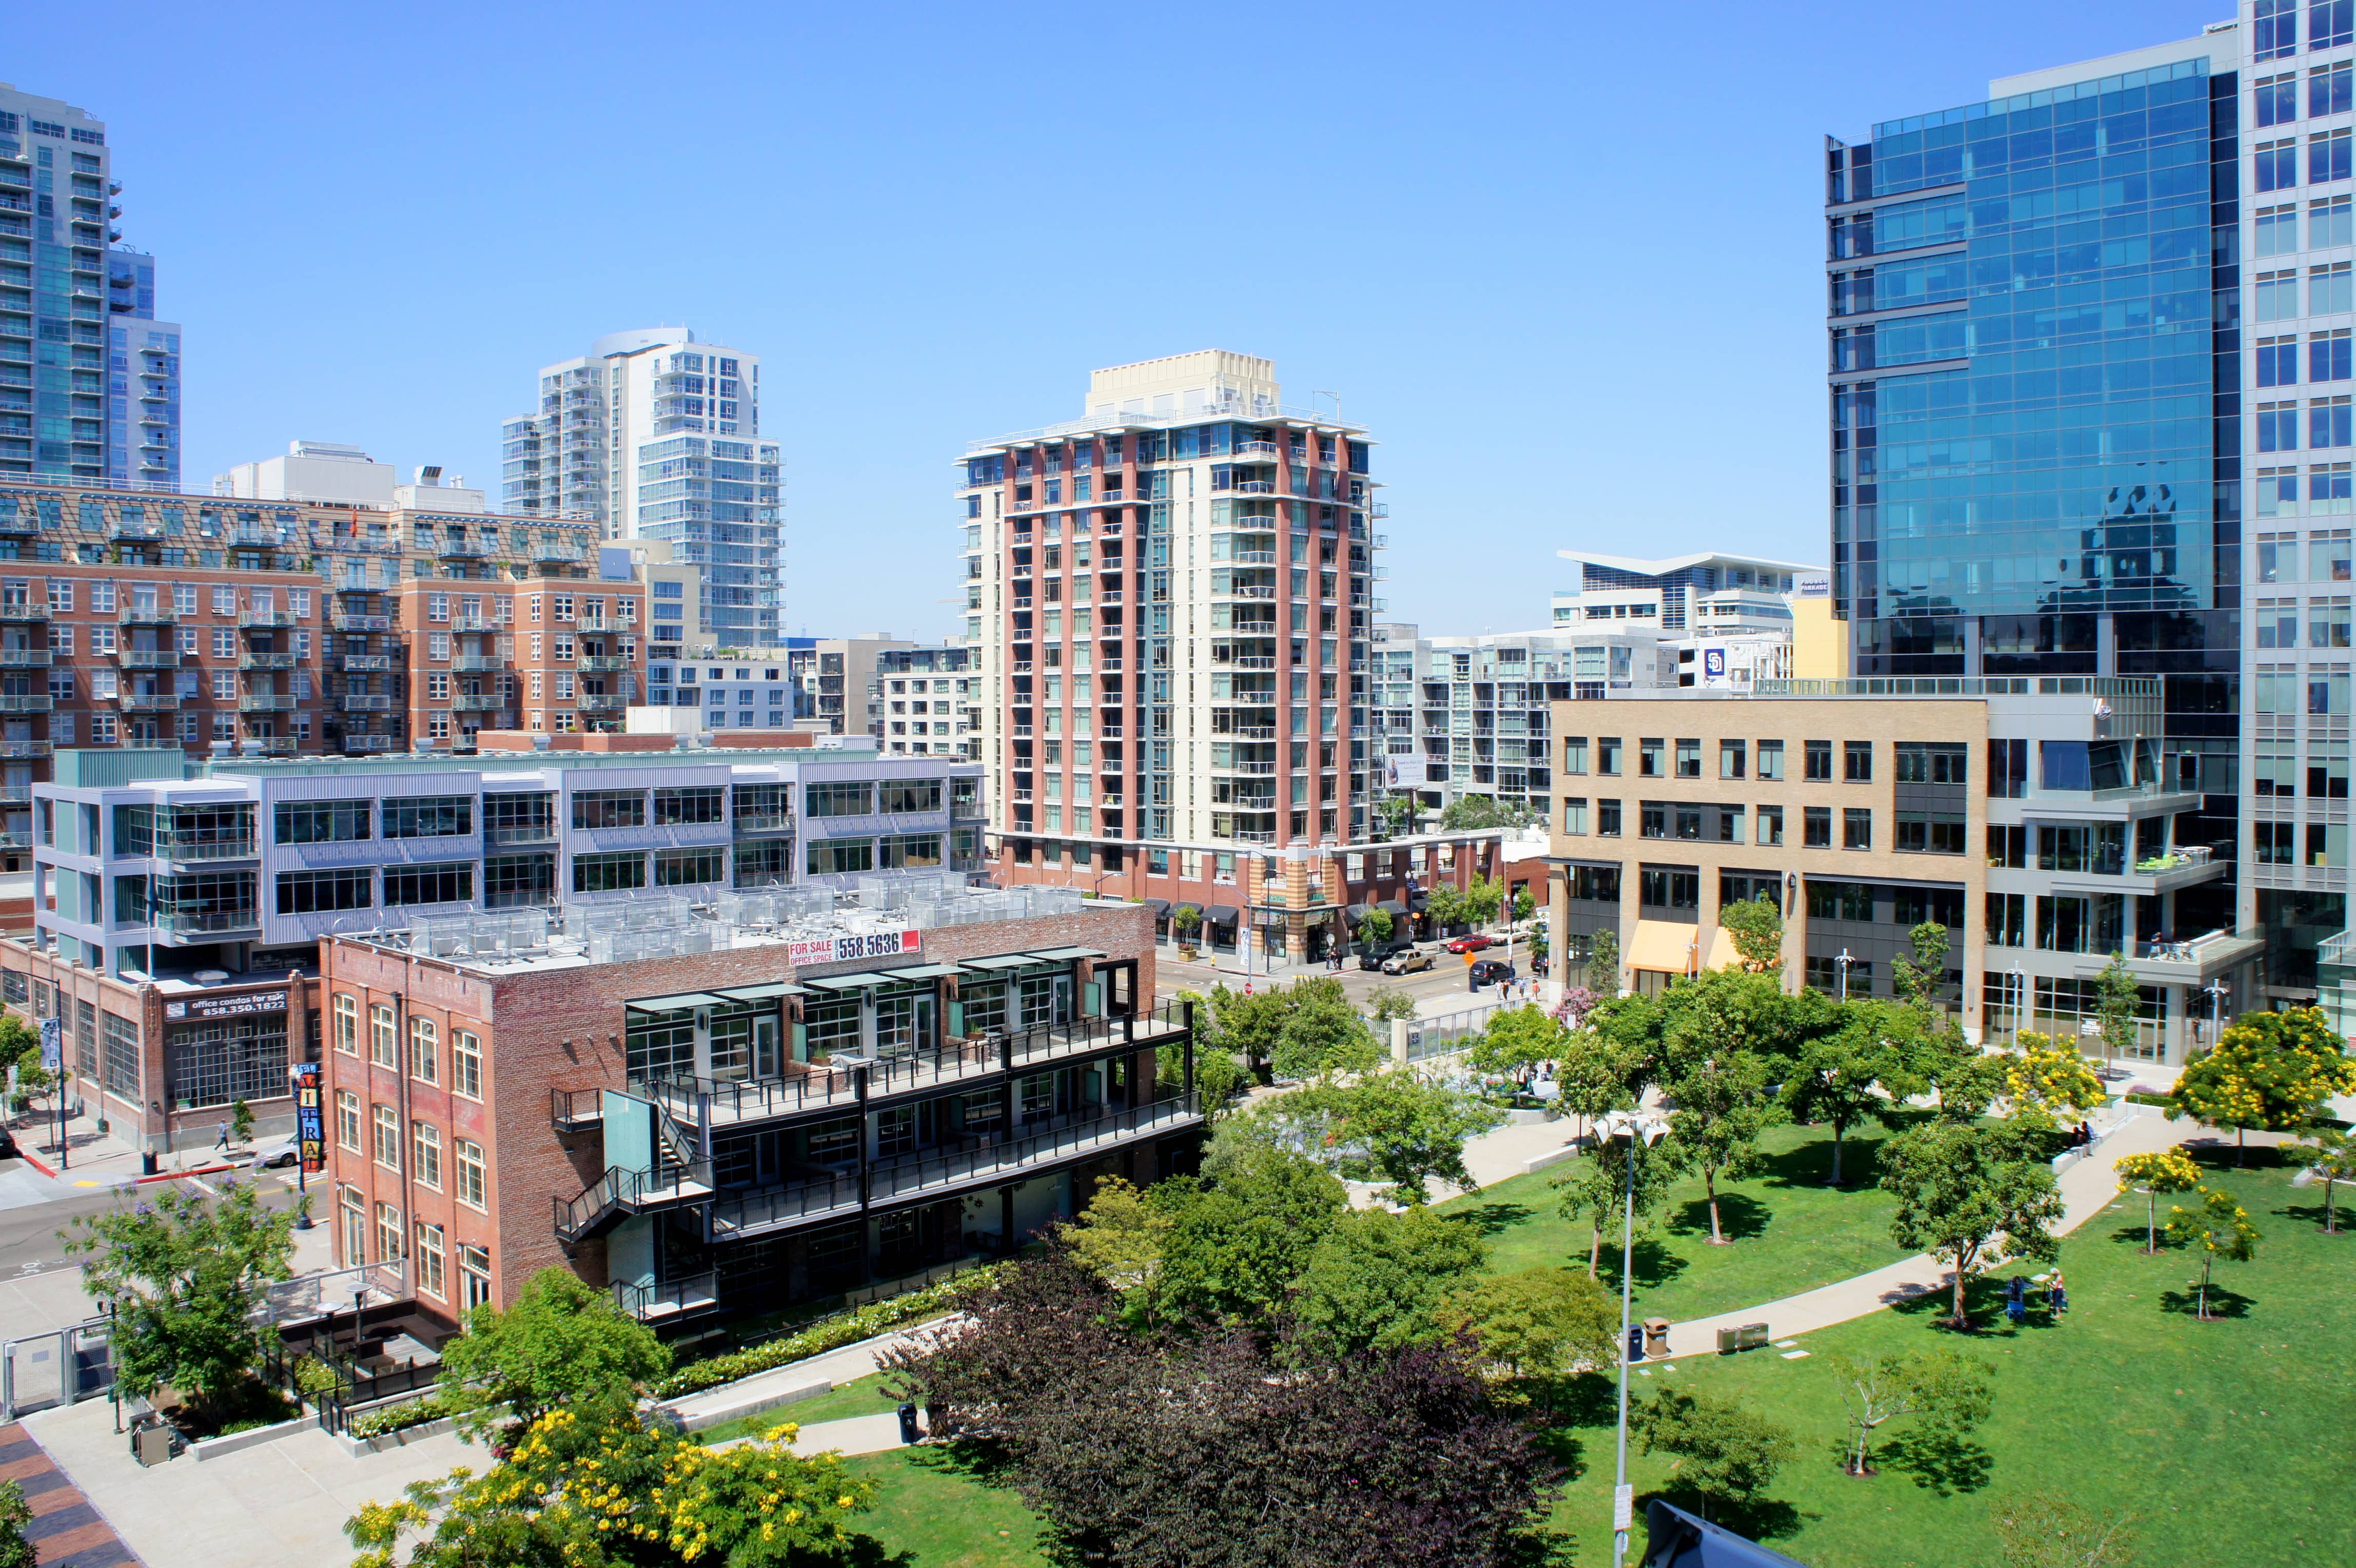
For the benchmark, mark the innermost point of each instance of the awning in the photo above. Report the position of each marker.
(1717, 949)
(1160, 906)
(1002, 960)
(675, 1004)
(849, 982)
(922, 971)
(762, 992)
(1392, 907)
(1354, 913)
(1665, 947)
(1065, 955)
(1418, 899)
(1222, 913)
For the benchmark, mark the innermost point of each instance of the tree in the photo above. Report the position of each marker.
(591, 1486)
(1945, 1391)
(1237, 1245)
(1596, 1186)
(15, 1513)
(1472, 814)
(1484, 899)
(1218, 1077)
(2330, 1153)
(1757, 927)
(187, 1276)
(2170, 1170)
(1537, 1323)
(2220, 1227)
(1121, 1237)
(1919, 981)
(1723, 1450)
(2047, 1529)
(1323, 1034)
(1577, 1002)
(1377, 1280)
(2273, 1072)
(1843, 1078)
(1515, 1040)
(1968, 1082)
(1184, 921)
(1250, 1024)
(1595, 1074)
(561, 1341)
(241, 1122)
(1202, 1449)
(1603, 959)
(1375, 927)
(2118, 1001)
(1715, 1075)
(1396, 1126)
(1960, 1186)
(1385, 1003)
(2042, 1076)
(1525, 905)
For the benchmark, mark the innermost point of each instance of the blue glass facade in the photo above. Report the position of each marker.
(2046, 452)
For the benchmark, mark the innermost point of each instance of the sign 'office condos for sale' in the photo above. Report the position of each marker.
(843, 949)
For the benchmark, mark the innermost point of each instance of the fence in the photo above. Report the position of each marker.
(63, 1366)
(1446, 1035)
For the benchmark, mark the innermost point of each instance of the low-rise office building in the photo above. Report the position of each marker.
(771, 1097)
(2042, 820)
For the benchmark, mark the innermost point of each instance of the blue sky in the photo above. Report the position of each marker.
(1565, 261)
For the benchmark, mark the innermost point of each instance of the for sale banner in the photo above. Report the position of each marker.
(843, 950)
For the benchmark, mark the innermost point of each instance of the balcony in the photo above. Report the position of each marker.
(513, 834)
(799, 1203)
(763, 822)
(22, 614)
(265, 661)
(354, 745)
(469, 624)
(461, 549)
(480, 663)
(269, 744)
(603, 661)
(206, 922)
(359, 703)
(345, 621)
(13, 703)
(26, 658)
(619, 1194)
(601, 702)
(2194, 962)
(168, 848)
(266, 620)
(477, 702)
(266, 702)
(150, 702)
(665, 1301)
(366, 663)
(147, 615)
(20, 750)
(135, 530)
(556, 556)
(600, 624)
(15, 794)
(148, 658)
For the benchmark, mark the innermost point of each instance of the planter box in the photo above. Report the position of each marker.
(358, 1447)
(721, 1414)
(238, 1441)
(1531, 1117)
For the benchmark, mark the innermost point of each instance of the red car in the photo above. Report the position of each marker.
(1469, 944)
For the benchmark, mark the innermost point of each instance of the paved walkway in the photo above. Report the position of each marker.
(66, 1531)
(2087, 1188)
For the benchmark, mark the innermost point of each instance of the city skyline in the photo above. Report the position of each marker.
(875, 277)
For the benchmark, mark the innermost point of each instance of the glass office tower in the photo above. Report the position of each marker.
(2034, 398)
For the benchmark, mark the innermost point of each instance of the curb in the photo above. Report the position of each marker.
(42, 1165)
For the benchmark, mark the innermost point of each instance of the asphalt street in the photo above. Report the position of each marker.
(1444, 979)
(28, 1230)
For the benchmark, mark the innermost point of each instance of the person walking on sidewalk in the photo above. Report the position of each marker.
(222, 1142)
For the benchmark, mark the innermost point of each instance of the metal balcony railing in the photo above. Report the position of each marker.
(206, 922)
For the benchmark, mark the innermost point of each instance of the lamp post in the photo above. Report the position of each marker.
(1642, 1132)
(2217, 990)
(2018, 984)
(1842, 960)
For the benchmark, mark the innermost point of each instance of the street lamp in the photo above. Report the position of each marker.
(2217, 990)
(1642, 1132)
(1842, 960)
(2018, 983)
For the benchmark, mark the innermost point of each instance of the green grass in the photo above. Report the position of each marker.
(2228, 1431)
(863, 1397)
(930, 1512)
(1789, 1232)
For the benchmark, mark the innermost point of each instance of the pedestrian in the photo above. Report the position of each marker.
(222, 1141)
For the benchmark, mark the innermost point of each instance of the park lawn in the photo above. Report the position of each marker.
(930, 1507)
(862, 1396)
(1790, 1233)
(2228, 1431)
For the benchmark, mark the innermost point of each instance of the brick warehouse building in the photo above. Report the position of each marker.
(712, 1109)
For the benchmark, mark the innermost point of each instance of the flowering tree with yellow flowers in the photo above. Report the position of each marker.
(2220, 1227)
(2171, 1171)
(591, 1486)
(2043, 1077)
(2271, 1071)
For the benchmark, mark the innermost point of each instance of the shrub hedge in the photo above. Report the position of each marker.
(818, 1338)
(397, 1417)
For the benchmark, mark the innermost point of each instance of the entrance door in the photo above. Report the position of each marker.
(764, 1046)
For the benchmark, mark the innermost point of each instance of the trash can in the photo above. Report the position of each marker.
(908, 1433)
(146, 1162)
(1635, 1342)
(152, 1445)
(1729, 1341)
(1656, 1336)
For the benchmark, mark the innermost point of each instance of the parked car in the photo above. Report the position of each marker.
(1489, 971)
(1407, 961)
(288, 1151)
(1376, 957)
(8, 1150)
(1472, 943)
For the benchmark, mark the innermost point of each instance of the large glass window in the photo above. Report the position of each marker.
(688, 807)
(903, 1022)
(609, 809)
(448, 883)
(121, 1069)
(608, 873)
(309, 892)
(910, 851)
(903, 795)
(428, 817)
(222, 1060)
(520, 818)
(840, 798)
(763, 861)
(764, 806)
(687, 867)
(832, 856)
(659, 1044)
(519, 881)
(322, 822)
(830, 1025)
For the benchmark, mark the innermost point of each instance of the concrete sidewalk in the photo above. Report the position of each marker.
(2087, 1188)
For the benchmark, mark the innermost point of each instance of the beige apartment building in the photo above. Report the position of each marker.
(2040, 819)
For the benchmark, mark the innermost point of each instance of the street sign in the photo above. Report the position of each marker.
(310, 1123)
(53, 1044)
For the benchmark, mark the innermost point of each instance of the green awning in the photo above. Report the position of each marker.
(675, 1004)
(763, 993)
(1063, 955)
(849, 982)
(1002, 960)
(923, 972)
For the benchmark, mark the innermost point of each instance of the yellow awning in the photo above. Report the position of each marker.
(1665, 947)
(1717, 949)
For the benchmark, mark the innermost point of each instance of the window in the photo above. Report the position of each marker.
(2274, 34)
(608, 873)
(467, 1158)
(2275, 295)
(427, 817)
(1730, 759)
(2007, 920)
(833, 857)
(347, 1012)
(609, 809)
(2277, 362)
(2330, 290)
(2327, 422)
(474, 1277)
(840, 799)
(2274, 98)
(1817, 824)
(2327, 357)
(424, 1052)
(2276, 234)
(1653, 819)
(2328, 26)
(466, 1064)
(1666, 887)
(1607, 755)
(1574, 754)
(388, 1137)
(387, 1232)
(2326, 85)
(687, 807)
(1932, 762)
(1574, 815)
(1920, 832)
(1771, 759)
(322, 822)
(428, 1272)
(2331, 222)
(2276, 842)
(904, 795)
(1771, 825)
(1688, 759)
(1730, 824)
(451, 883)
(382, 1044)
(1607, 819)
(348, 1119)
(2276, 163)
(310, 892)
(2328, 557)
(1649, 753)
(1858, 761)
(686, 867)
(2327, 156)
(1857, 828)
(426, 1150)
(1849, 901)
(1819, 768)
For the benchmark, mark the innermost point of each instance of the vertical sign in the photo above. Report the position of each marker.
(53, 1044)
(310, 1124)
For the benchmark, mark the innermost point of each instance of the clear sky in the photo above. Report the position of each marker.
(1566, 260)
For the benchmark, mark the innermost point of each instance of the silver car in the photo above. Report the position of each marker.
(1407, 962)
